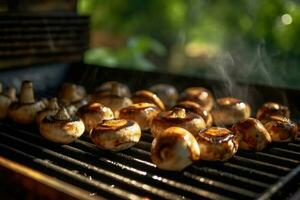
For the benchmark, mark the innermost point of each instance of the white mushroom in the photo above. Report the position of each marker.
(167, 93)
(110, 86)
(5, 100)
(71, 93)
(145, 96)
(270, 109)
(174, 149)
(52, 109)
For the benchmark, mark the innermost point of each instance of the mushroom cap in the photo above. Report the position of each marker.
(251, 134)
(108, 87)
(217, 144)
(5, 101)
(270, 109)
(177, 117)
(230, 110)
(145, 96)
(70, 93)
(142, 113)
(174, 149)
(116, 134)
(200, 95)
(167, 93)
(52, 109)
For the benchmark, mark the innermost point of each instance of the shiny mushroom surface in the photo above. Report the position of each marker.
(251, 134)
(116, 134)
(5, 100)
(177, 117)
(270, 109)
(229, 110)
(217, 144)
(145, 96)
(167, 93)
(51, 109)
(142, 113)
(174, 149)
(110, 86)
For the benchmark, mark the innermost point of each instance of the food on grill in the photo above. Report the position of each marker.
(73, 107)
(110, 86)
(93, 114)
(251, 134)
(5, 100)
(199, 95)
(70, 93)
(217, 144)
(25, 110)
(142, 113)
(145, 96)
(116, 134)
(51, 109)
(193, 107)
(167, 93)
(228, 111)
(177, 117)
(281, 129)
(174, 149)
(270, 109)
(61, 128)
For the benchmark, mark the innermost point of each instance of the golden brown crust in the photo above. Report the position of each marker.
(145, 96)
(271, 108)
(113, 125)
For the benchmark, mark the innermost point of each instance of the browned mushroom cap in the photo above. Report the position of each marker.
(217, 144)
(177, 117)
(110, 86)
(93, 114)
(70, 93)
(193, 107)
(251, 134)
(174, 149)
(270, 109)
(5, 100)
(25, 111)
(281, 129)
(61, 128)
(116, 134)
(167, 93)
(145, 96)
(230, 110)
(142, 113)
(51, 109)
(199, 95)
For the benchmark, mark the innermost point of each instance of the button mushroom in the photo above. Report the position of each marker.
(177, 117)
(145, 96)
(52, 109)
(230, 110)
(251, 134)
(25, 110)
(270, 109)
(70, 93)
(142, 113)
(200, 95)
(167, 93)
(110, 86)
(116, 134)
(5, 100)
(217, 144)
(174, 149)
(93, 114)
(61, 128)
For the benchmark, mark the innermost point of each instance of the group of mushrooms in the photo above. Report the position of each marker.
(182, 125)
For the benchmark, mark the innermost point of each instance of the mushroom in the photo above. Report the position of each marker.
(193, 107)
(52, 109)
(174, 149)
(200, 95)
(110, 86)
(70, 93)
(177, 117)
(142, 113)
(145, 96)
(167, 93)
(270, 109)
(281, 129)
(217, 144)
(5, 100)
(25, 110)
(251, 134)
(93, 114)
(230, 110)
(61, 128)
(116, 134)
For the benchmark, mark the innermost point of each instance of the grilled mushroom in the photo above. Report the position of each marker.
(110, 86)
(52, 109)
(174, 149)
(93, 114)
(177, 117)
(142, 113)
(281, 129)
(61, 128)
(5, 100)
(145, 96)
(193, 107)
(270, 109)
(167, 93)
(217, 144)
(70, 93)
(251, 134)
(25, 110)
(200, 95)
(116, 134)
(230, 110)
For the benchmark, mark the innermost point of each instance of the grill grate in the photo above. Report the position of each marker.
(130, 174)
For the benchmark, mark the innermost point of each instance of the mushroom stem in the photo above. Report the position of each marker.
(27, 94)
(62, 114)
(178, 112)
(11, 93)
(53, 104)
